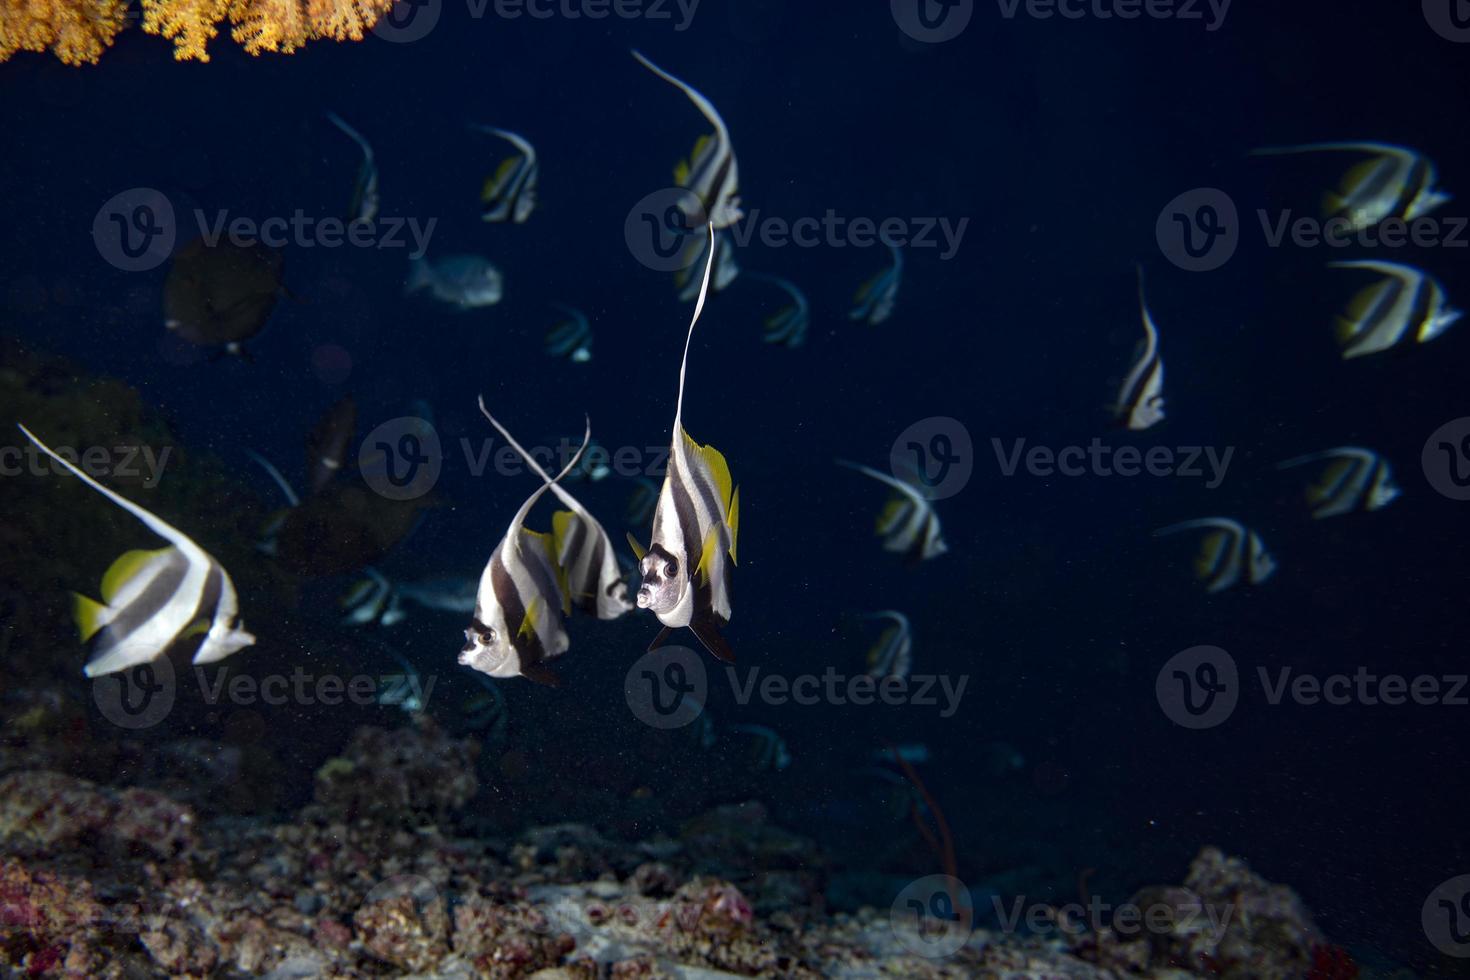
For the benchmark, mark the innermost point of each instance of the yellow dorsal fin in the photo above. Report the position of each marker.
(494, 182)
(733, 522)
(714, 462)
(681, 172)
(88, 614)
(890, 515)
(708, 551)
(638, 550)
(356, 592)
(528, 621)
(1358, 176)
(1209, 555)
(127, 565)
(700, 146)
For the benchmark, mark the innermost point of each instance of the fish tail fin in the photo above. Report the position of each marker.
(89, 614)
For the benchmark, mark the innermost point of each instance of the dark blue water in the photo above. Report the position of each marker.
(1058, 142)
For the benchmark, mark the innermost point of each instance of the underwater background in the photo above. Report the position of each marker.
(1059, 143)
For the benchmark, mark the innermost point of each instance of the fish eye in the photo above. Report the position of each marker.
(671, 569)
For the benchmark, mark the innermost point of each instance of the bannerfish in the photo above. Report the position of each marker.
(364, 207)
(594, 582)
(1140, 403)
(517, 624)
(572, 338)
(1354, 479)
(789, 324)
(370, 600)
(692, 262)
(464, 282)
(908, 525)
(152, 599)
(874, 300)
(1395, 182)
(698, 514)
(221, 295)
(711, 172)
(509, 193)
(1408, 301)
(893, 654)
(770, 750)
(1229, 553)
(329, 442)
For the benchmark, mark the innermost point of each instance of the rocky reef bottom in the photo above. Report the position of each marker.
(375, 878)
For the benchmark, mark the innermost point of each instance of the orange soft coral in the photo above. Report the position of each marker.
(78, 31)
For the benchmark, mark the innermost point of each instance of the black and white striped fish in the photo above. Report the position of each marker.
(686, 567)
(152, 599)
(1229, 553)
(1395, 182)
(711, 172)
(1354, 479)
(693, 260)
(874, 300)
(364, 207)
(789, 324)
(595, 583)
(908, 525)
(1407, 302)
(1140, 403)
(517, 625)
(509, 193)
(571, 338)
(893, 654)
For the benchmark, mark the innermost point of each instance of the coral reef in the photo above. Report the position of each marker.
(372, 879)
(78, 31)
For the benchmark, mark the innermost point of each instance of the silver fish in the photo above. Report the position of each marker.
(464, 282)
(1229, 553)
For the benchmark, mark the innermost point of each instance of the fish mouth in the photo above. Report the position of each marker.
(645, 598)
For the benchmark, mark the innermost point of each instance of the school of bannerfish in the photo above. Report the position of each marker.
(152, 600)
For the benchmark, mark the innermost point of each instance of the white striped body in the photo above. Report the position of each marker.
(1353, 479)
(594, 581)
(893, 654)
(686, 573)
(908, 525)
(712, 173)
(1406, 303)
(517, 623)
(1394, 182)
(509, 194)
(875, 299)
(1140, 403)
(1230, 553)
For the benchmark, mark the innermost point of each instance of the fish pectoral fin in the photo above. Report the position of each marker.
(638, 550)
(709, 635)
(128, 564)
(528, 621)
(661, 639)
(197, 628)
(733, 522)
(90, 615)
